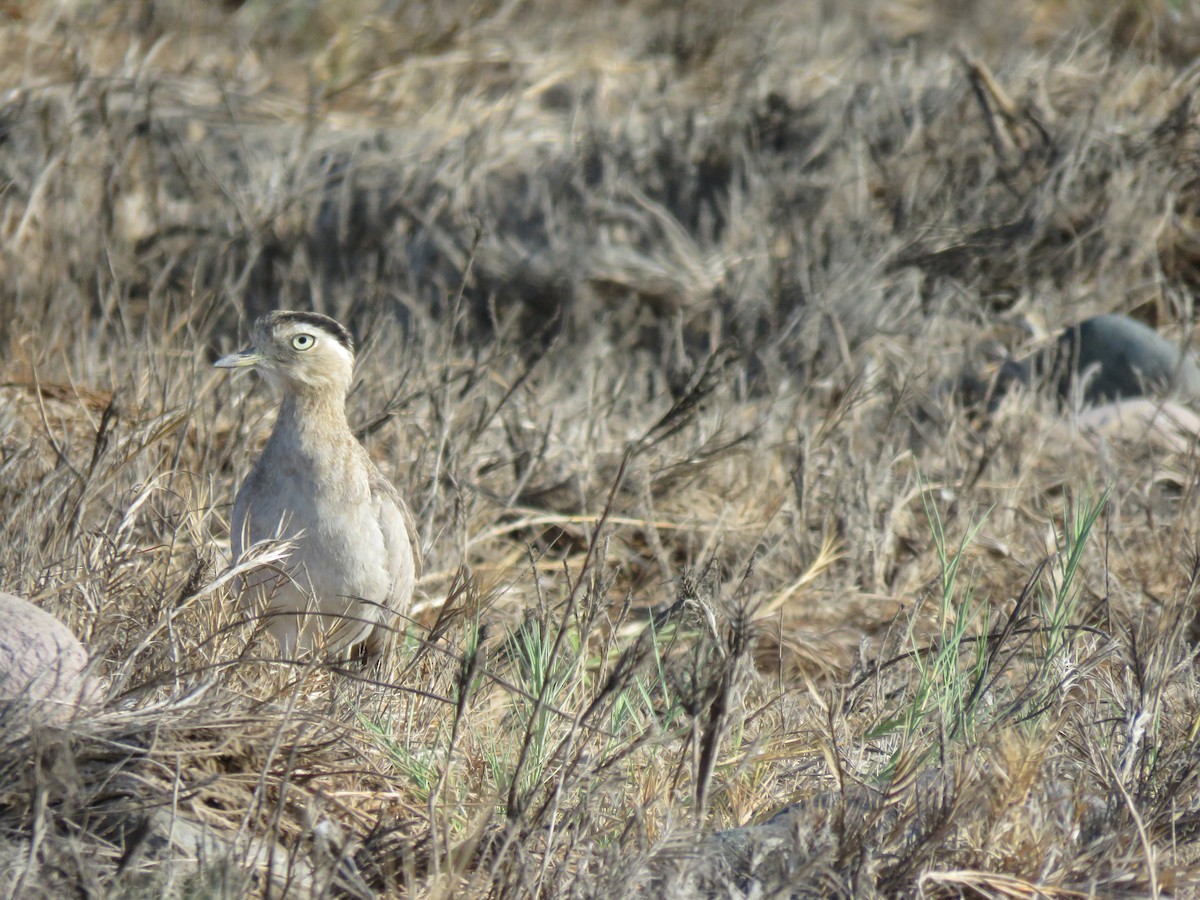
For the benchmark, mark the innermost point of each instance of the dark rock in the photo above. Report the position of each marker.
(1098, 360)
(1112, 357)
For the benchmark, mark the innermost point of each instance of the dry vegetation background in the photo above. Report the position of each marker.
(654, 301)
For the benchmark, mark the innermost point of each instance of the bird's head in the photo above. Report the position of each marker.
(298, 351)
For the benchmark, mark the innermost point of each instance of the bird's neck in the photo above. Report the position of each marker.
(312, 420)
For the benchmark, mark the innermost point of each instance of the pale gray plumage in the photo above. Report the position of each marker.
(354, 565)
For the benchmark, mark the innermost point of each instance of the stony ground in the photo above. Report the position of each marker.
(658, 305)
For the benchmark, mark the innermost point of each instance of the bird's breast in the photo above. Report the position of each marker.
(326, 511)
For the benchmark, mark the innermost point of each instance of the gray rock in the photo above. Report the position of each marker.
(1099, 360)
(1109, 358)
(43, 666)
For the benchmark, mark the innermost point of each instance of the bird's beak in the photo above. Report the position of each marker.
(248, 357)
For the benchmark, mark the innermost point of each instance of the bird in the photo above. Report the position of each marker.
(354, 560)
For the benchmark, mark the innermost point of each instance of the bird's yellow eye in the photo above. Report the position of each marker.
(303, 341)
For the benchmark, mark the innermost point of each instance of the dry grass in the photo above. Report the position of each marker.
(654, 302)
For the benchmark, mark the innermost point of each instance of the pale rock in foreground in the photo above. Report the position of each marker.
(43, 666)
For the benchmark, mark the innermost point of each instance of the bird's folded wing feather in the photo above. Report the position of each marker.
(396, 521)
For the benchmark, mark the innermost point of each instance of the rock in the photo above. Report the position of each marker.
(191, 852)
(1165, 424)
(43, 666)
(1107, 358)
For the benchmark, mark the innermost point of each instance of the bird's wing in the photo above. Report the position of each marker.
(414, 540)
(395, 520)
(404, 556)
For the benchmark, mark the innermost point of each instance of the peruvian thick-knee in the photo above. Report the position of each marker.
(354, 564)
